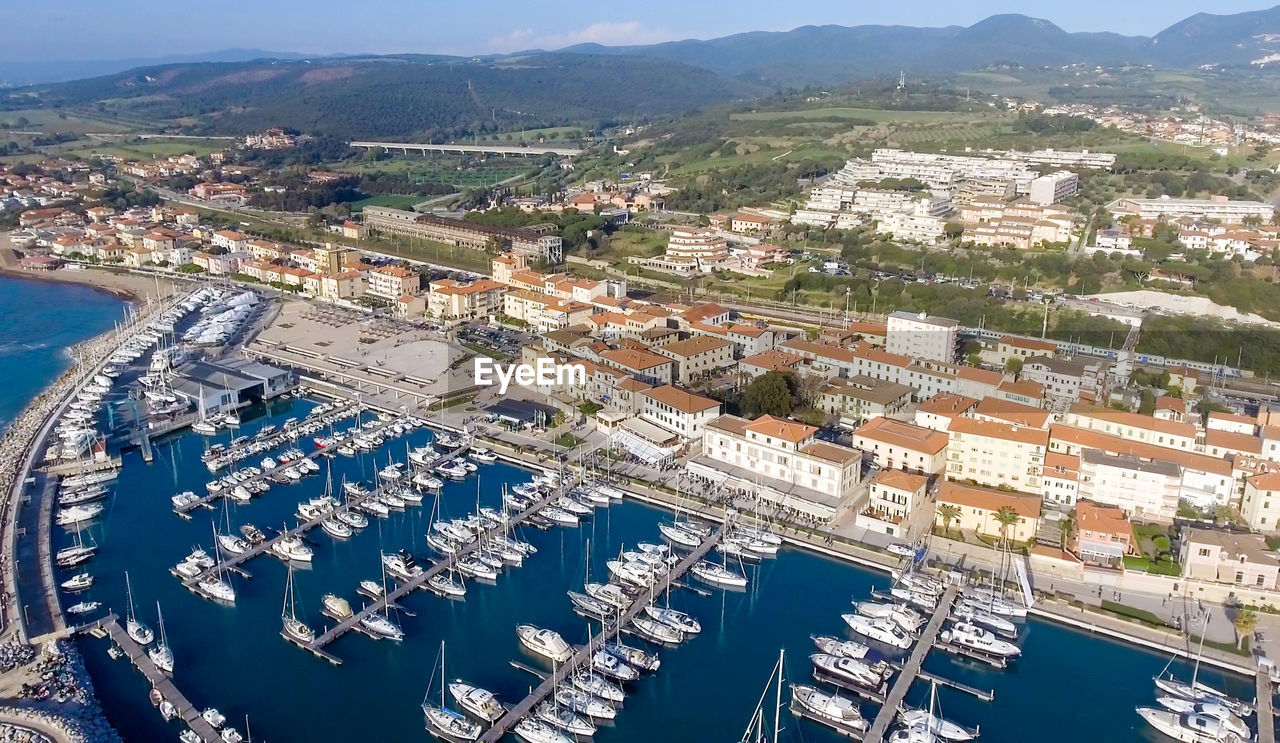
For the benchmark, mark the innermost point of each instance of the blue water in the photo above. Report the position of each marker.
(38, 321)
(1067, 683)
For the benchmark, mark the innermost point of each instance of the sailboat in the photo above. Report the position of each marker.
(934, 723)
(294, 629)
(204, 426)
(139, 632)
(161, 654)
(444, 722)
(1198, 691)
(212, 585)
(755, 726)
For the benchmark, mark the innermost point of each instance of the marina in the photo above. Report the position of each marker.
(232, 656)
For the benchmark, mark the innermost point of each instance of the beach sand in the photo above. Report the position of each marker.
(130, 287)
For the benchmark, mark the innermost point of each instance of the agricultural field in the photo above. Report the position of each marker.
(433, 169)
(395, 201)
(853, 114)
(50, 121)
(147, 149)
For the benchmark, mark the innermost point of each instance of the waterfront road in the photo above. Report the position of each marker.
(31, 561)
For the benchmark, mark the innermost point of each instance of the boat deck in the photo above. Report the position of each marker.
(158, 679)
(911, 668)
(584, 653)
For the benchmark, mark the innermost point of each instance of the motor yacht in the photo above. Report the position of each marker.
(830, 707)
(544, 642)
(479, 702)
(610, 665)
(1189, 728)
(847, 649)
(78, 514)
(1230, 721)
(849, 670)
(78, 582)
(974, 637)
(84, 607)
(609, 593)
(292, 548)
(232, 545)
(881, 630)
(634, 657)
(336, 528)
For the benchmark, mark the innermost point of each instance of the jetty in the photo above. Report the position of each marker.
(1265, 713)
(159, 680)
(911, 669)
(404, 588)
(583, 654)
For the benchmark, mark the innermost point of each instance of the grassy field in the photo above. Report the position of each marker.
(759, 157)
(868, 114)
(148, 149)
(45, 120)
(439, 169)
(395, 201)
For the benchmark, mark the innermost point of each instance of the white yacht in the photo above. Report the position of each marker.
(942, 728)
(656, 631)
(976, 615)
(972, 636)
(905, 617)
(544, 642)
(847, 649)
(139, 632)
(565, 719)
(445, 585)
(482, 455)
(585, 704)
(630, 572)
(1188, 728)
(598, 686)
(1230, 721)
(354, 519)
(479, 702)
(849, 670)
(214, 717)
(336, 528)
(78, 514)
(292, 548)
(675, 619)
(161, 654)
(184, 500)
(294, 628)
(231, 544)
(718, 575)
(610, 593)
(880, 630)
(381, 627)
(1199, 691)
(216, 588)
(679, 535)
(77, 582)
(830, 707)
(611, 665)
(533, 730)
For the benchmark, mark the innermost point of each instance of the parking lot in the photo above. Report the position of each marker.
(498, 340)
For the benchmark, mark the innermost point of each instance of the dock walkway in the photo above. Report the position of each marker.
(157, 678)
(1265, 714)
(584, 653)
(406, 587)
(911, 669)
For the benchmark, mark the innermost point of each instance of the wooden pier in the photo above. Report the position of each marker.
(1265, 714)
(158, 679)
(404, 588)
(911, 669)
(584, 653)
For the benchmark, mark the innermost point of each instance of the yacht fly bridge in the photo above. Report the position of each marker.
(583, 655)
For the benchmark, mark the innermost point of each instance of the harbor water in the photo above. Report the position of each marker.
(1067, 683)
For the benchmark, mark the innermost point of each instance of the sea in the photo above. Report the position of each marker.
(1067, 684)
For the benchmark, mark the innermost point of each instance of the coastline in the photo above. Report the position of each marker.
(120, 283)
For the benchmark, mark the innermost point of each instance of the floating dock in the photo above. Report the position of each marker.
(583, 654)
(158, 679)
(911, 669)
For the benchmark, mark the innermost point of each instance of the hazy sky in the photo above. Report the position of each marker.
(102, 29)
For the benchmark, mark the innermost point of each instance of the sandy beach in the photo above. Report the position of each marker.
(130, 287)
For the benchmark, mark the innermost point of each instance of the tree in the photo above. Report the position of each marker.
(949, 514)
(1067, 526)
(769, 394)
(1245, 621)
(1006, 517)
(1013, 365)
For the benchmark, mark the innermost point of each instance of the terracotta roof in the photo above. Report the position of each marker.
(947, 404)
(681, 399)
(772, 360)
(1136, 420)
(1218, 415)
(831, 452)
(1057, 464)
(695, 346)
(1024, 388)
(1013, 412)
(778, 428)
(1098, 517)
(1004, 431)
(981, 376)
(629, 358)
(1169, 402)
(1085, 438)
(1266, 481)
(901, 434)
(1027, 506)
(900, 480)
(1030, 343)
(1243, 442)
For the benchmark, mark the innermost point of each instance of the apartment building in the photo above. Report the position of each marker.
(893, 444)
(697, 356)
(980, 507)
(702, 249)
(938, 411)
(459, 301)
(782, 461)
(1054, 187)
(747, 340)
(643, 365)
(1103, 534)
(893, 497)
(1260, 504)
(459, 232)
(859, 398)
(1074, 379)
(997, 454)
(922, 336)
(1235, 559)
(392, 282)
(1134, 427)
(544, 312)
(678, 410)
(1060, 479)
(1143, 489)
(1219, 208)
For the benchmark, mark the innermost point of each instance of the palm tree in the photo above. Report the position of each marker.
(1006, 517)
(949, 514)
(1067, 525)
(1245, 621)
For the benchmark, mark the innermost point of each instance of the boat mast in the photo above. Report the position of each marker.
(777, 703)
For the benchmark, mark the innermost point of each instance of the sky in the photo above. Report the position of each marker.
(129, 29)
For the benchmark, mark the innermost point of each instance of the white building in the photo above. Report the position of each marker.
(680, 411)
(1219, 207)
(922, 336)
(1055, 187)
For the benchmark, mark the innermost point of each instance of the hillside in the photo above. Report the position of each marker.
(410, 96)
(828, 54)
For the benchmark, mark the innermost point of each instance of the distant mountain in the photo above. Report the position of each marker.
(1203, 38)
(827, 54)
(22, 72)
(407, 96)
